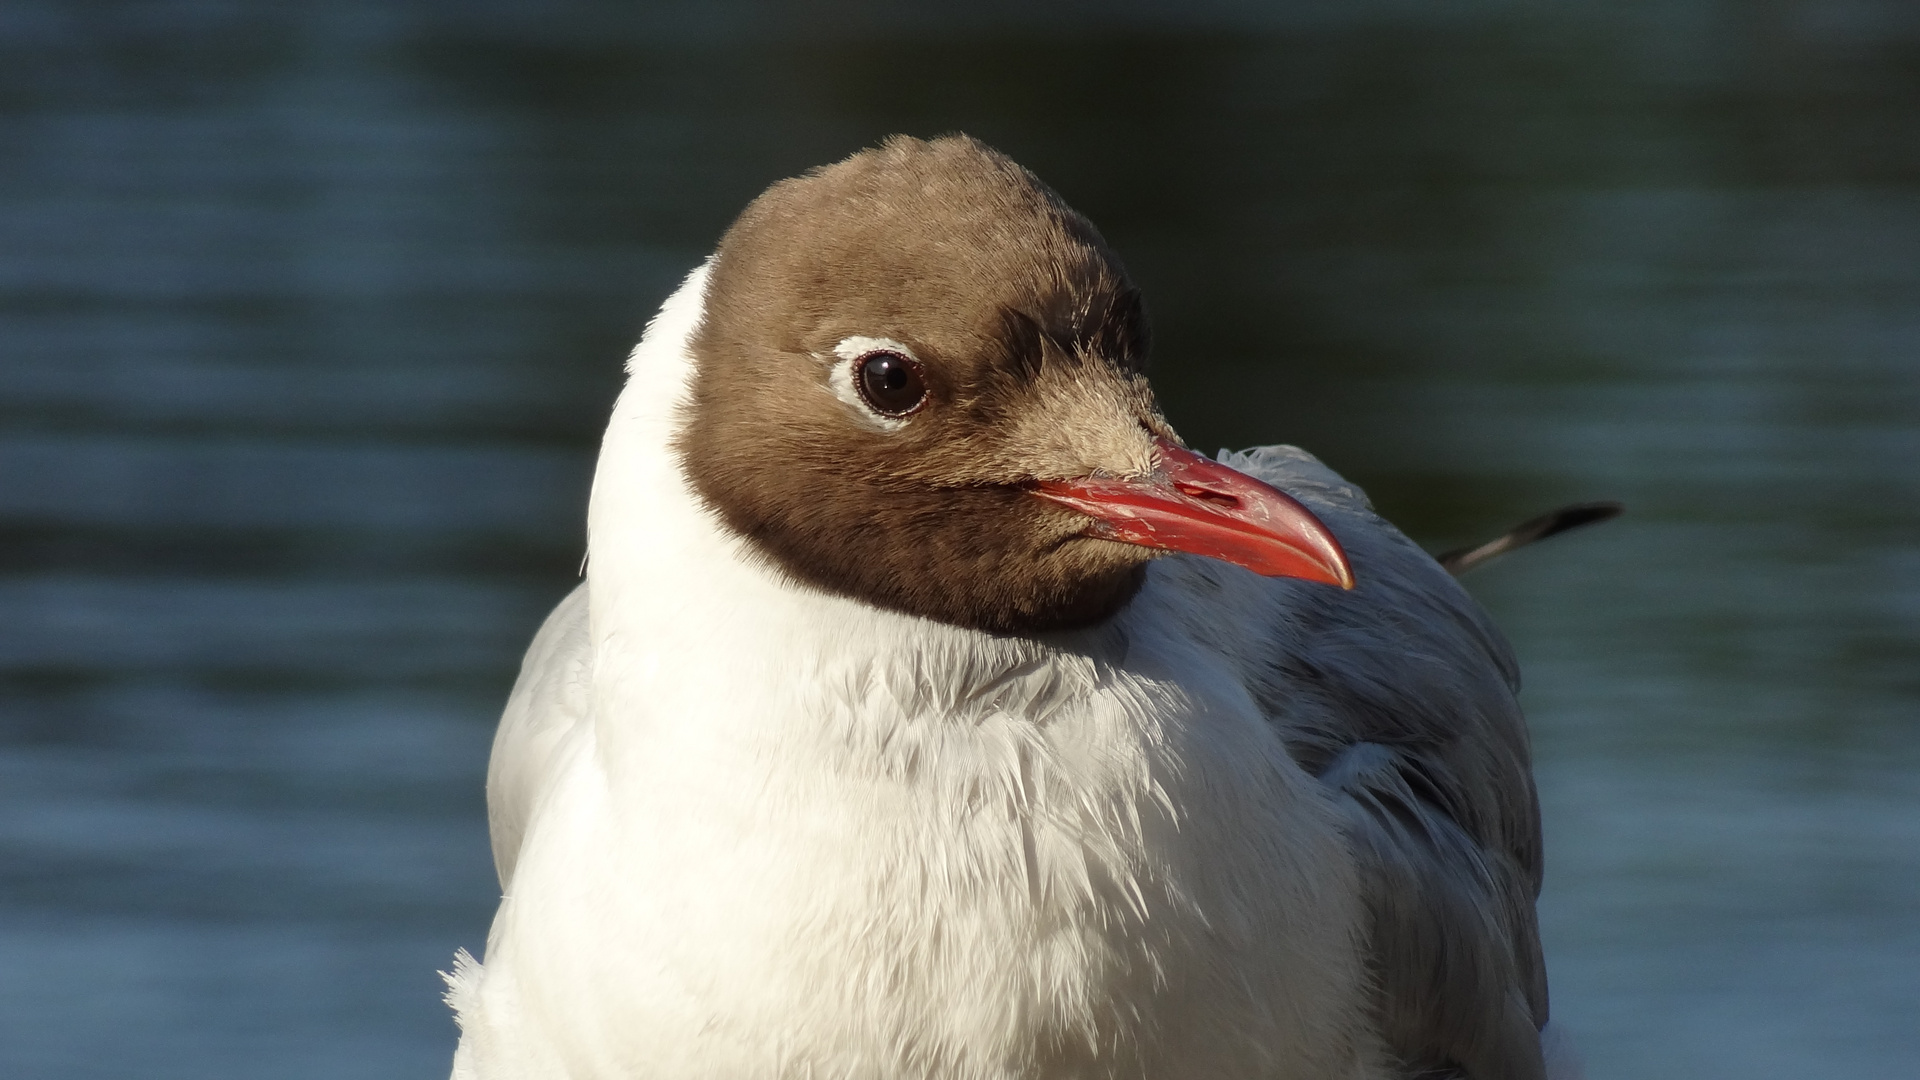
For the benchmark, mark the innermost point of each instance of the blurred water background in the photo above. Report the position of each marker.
(311, 312)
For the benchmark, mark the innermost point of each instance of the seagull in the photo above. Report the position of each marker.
(929, 710)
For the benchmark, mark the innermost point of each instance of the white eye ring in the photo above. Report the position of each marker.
(851, 351)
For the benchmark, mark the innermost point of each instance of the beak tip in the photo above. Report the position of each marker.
(1343, 573)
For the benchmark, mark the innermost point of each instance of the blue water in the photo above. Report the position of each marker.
(310, 315)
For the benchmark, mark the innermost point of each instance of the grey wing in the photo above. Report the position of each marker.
(1399, 695)
(553, 694)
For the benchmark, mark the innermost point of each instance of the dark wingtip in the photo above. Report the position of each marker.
(1460, 560)
(1573, 517)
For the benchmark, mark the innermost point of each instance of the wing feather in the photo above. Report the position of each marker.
(1400, 696)
(553, 694)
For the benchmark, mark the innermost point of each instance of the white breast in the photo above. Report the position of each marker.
(792, 835)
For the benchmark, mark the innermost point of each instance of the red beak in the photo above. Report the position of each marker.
(1197, 505)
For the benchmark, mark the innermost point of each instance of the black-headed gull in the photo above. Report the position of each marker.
(881, 740)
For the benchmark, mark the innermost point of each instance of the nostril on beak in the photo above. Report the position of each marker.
(1207, 495)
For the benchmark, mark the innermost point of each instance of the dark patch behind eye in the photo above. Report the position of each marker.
(1021, 339)
(1119, 331)
(1115, 331)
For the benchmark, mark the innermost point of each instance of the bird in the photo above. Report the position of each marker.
(928, 709)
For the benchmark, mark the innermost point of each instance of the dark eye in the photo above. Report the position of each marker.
(891, 383)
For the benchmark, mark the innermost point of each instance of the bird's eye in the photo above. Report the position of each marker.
(890, 383)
